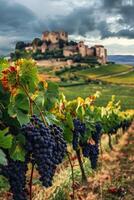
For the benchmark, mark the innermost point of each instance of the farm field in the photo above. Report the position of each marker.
(118, 80)
(110, 69)
(127, 78)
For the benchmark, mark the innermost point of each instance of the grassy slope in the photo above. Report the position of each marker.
(123, 93)
(104, 70)
(123, 79)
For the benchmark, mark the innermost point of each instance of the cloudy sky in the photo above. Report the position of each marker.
(107, 22)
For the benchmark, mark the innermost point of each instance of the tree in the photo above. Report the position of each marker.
(37, 42)
(20, 45)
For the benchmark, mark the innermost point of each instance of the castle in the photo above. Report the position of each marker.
(52, 40)
(54, 37)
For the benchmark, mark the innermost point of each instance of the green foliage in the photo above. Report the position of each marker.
(28, 74)
(51, 95)
(3, 65)
(37, 42)
(20, 45)
(17, 151)
(3, 160)
(5, 140)
(3, 183)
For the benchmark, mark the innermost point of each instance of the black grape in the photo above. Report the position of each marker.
(79, 131)
(15, 172)
(47, 147)
(97, 134)
(91, 151)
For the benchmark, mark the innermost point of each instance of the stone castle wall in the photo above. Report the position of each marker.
(54, 37)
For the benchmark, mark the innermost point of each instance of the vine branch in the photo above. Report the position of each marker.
(33, 102)
(72, 170)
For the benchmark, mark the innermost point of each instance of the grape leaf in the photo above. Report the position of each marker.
(3, 160)
(22, 117)
(17, 152)
(5, 140)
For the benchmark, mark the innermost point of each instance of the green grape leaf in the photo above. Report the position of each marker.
(22, 117)
(68, 135)
(3, 160)
(17, 152)
(69, 121)
(51, 119)
(40, 99)
(11, 109)
(4, 184)
(5, 140)
(51, 95)
(80, 112)
(22, 102)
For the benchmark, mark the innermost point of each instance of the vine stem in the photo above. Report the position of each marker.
(30, 182)
(84, 178)
(110, 141)
(33, 102)
(72, 170)
(101, 150)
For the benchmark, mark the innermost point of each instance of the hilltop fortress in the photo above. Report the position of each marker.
(59, 40)
(54, 37)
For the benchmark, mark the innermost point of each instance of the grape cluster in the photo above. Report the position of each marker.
(91, 150)
(97, 134)
(125, 124)
(15, 172)
(79, 131)
(46, 146)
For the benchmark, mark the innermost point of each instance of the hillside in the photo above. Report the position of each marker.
(112, 79)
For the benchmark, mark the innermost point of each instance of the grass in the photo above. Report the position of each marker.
(125, 78)
(123, 93)
(103, 70)
(121, 84)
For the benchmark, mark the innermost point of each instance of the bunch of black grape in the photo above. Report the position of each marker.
(125, 124)
(91, 150)
(46, 146)
(79, 131)
(15, 172)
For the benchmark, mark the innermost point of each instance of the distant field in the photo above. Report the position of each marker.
(122, 79)
(123, 93)
(121, 83)
(105, 70)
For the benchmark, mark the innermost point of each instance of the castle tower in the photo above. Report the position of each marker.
(45, 36)
(63, 35)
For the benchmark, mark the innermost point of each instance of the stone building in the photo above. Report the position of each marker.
(63, 36)
(70, 51)
(43, 47)
(90, 51)
(84, 50)
(101, 53)
(29, 48)
(54, 37)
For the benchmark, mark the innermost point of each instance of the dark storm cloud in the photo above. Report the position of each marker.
(125, 9)
(18, 22)
(18, 19)
(14, 17)
(79, 21)
(85, 20)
